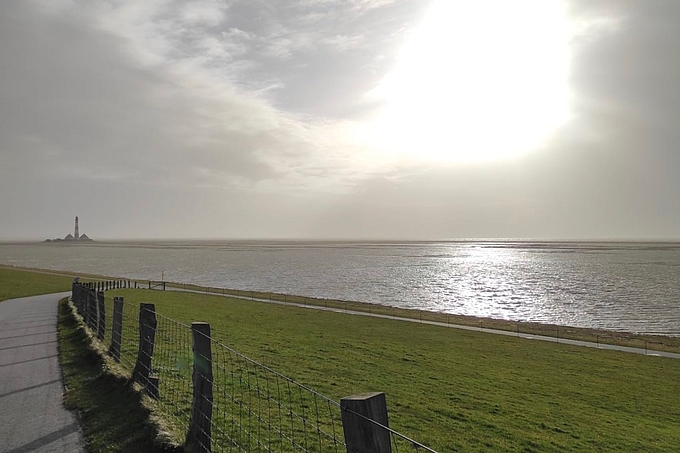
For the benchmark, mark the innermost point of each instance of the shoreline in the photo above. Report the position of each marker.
(667, 343)
(652, 342)
(613, 287)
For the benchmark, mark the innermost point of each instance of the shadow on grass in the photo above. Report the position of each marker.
(109, 409)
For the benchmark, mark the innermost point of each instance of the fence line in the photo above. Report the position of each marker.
(251, 398)
(215, 399)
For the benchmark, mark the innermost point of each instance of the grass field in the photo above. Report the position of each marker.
(21, 283)
(454, 390)
(110, 411)
(16, 282)
(653, 342)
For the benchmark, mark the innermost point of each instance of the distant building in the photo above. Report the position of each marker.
(75, 237)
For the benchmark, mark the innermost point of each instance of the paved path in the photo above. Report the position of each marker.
(587, 344)
(32, 416)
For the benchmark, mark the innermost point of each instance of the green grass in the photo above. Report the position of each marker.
(653, 342)
(449, 389)
(110, 410)
(21, 283)
(16, 282)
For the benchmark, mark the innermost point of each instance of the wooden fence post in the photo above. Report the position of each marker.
(74, 290)
(83, 301)
(362, 436)
(116, 329)
(101, 315)
(75, 296)
(199, 434)
(147, 339)
(78, 299)
(86, 307)
(93, 310)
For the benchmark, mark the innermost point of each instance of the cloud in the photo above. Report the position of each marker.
(609, 173)
(105, 102)
(93, 103)
(238, 119)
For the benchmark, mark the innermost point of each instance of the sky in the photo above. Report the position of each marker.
(340, 119)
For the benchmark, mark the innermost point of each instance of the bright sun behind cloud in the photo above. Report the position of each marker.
(477, 81)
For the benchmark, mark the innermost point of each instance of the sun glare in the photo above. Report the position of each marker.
(476, 81)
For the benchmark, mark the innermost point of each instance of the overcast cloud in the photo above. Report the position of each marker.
(238, 119)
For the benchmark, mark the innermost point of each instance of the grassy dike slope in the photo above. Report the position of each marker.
(21, 283)
(455, 390)
(110, 412)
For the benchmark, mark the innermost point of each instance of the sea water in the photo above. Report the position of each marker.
(619, 286)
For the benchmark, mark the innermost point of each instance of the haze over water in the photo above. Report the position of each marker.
(618, 286)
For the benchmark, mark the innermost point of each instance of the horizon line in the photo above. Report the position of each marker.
(359, 239)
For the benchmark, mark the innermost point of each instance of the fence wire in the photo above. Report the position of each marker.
(256, 409)
(172, 365)
(387, 436)
(251, 408)
(129, 341)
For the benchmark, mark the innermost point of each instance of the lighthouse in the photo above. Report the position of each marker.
(75, 237)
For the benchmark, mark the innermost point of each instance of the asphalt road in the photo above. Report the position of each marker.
(32, 416)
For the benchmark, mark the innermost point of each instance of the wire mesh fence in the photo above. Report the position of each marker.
(123, 346)
(211, 398)
(256, 409)
(130, 336)
(108, 316)
(369, 415)
(172, 367)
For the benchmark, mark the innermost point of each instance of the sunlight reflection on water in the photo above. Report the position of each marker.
(615, 286)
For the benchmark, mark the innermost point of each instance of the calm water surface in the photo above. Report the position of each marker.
(619, 286)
